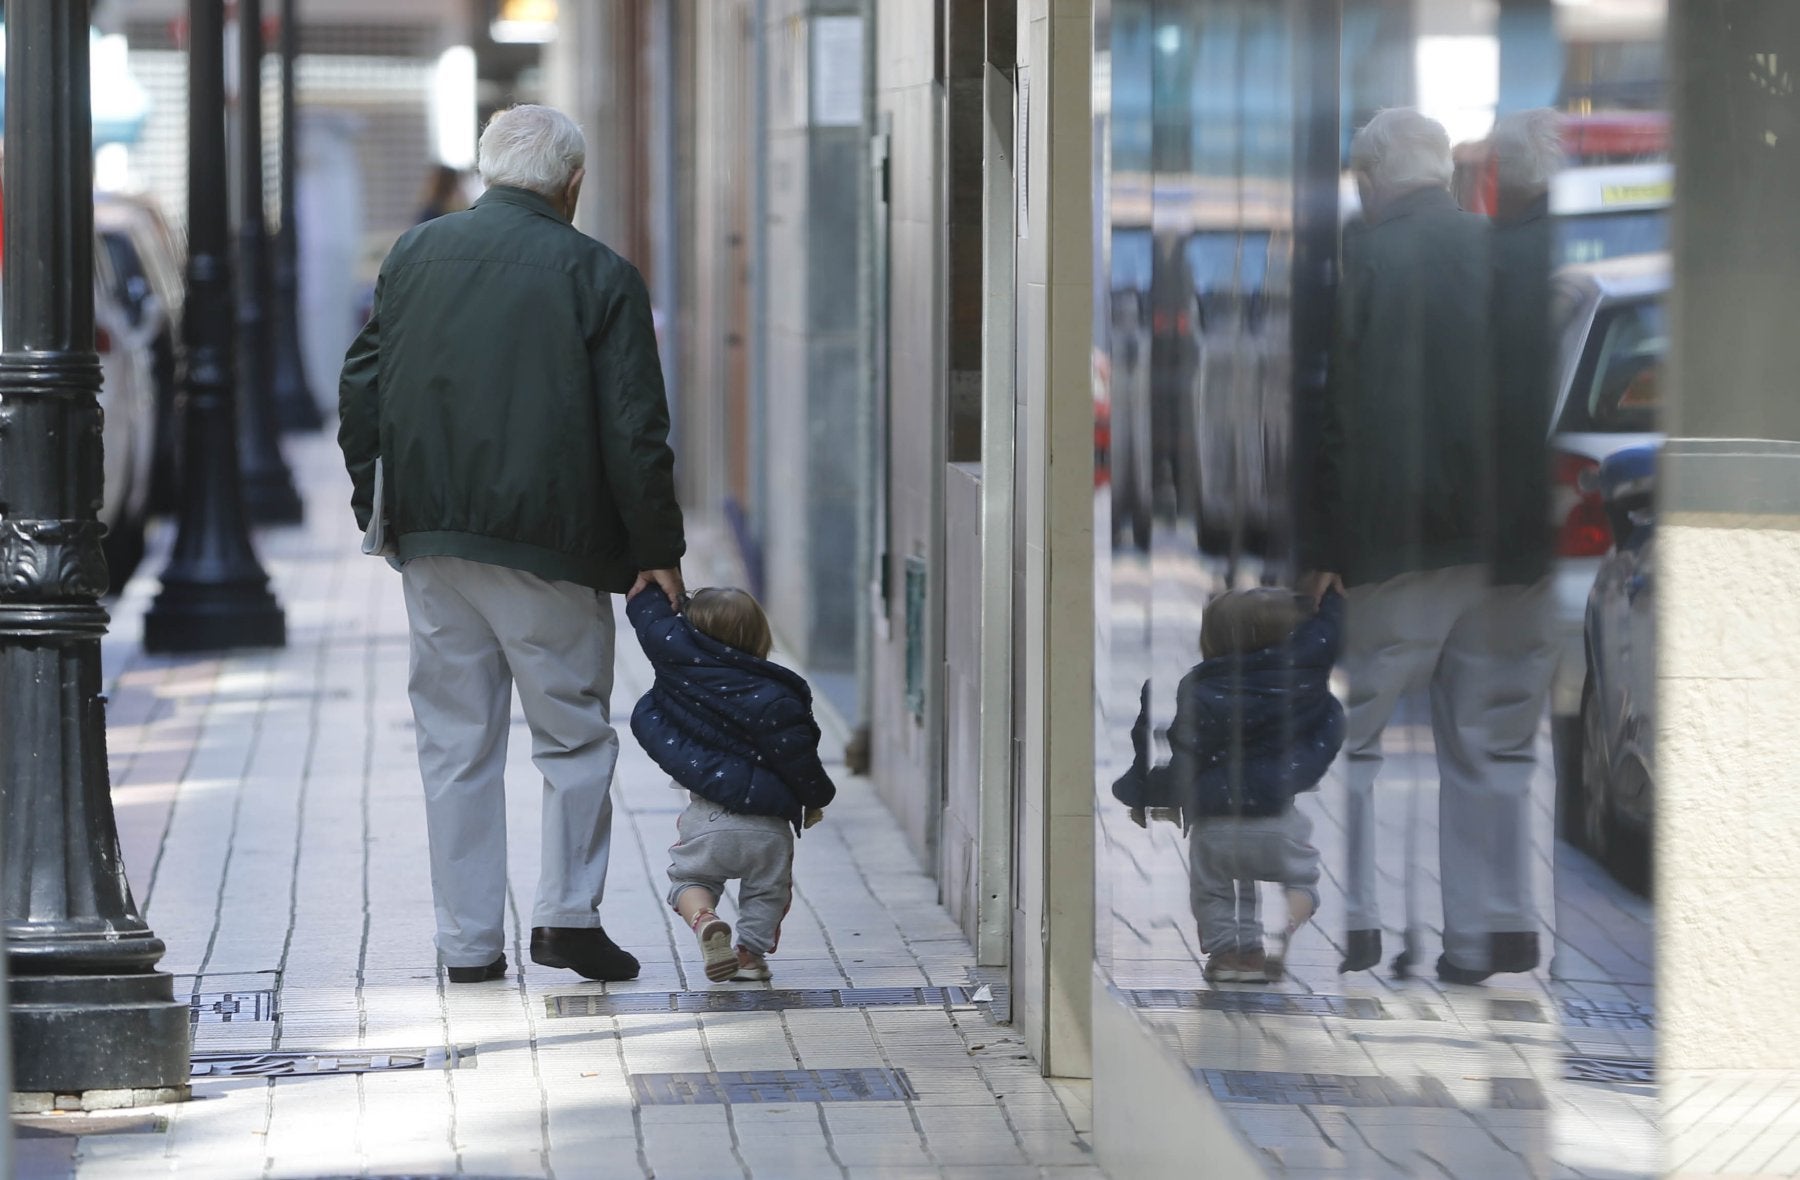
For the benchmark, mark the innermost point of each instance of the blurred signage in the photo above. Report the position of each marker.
(523, 22)
(1657, 193)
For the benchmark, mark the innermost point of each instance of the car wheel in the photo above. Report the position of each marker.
(1566, 754)
(1630, 861)
(124, 549)
(1597, 822)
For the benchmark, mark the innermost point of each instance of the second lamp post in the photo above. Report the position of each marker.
(269, 493)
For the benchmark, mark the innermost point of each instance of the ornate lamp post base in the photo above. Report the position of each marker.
(97, 1042)
(270, 496)
(210, 616)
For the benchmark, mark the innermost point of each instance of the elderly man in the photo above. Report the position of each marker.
(1528, 153)
(509, 386)
(1407, 491)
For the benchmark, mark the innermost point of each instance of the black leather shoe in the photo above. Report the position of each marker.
(1508, 951)
(1513, 950)
(1449, 972)
(1362, 950)
(585, 950)
(494, 970)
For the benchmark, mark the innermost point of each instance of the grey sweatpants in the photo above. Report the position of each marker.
(715, 845)
(1227, 857)
(1487, 655)
(477, 630)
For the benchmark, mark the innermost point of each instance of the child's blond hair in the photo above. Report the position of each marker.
(733, 617)
(1241, 621)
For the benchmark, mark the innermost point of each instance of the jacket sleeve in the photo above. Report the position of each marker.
(634, 426)
(1319, 640)
(1144, 785)
(359, 411)
(789, 742)
(1519, 459)
(1322, 533)
(1199, 736)
(655, 622)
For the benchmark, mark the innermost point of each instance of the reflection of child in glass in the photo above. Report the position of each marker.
(738, 732)
(1255, 724)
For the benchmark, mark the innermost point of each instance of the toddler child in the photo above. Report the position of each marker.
(1255, 724)
(737, 732)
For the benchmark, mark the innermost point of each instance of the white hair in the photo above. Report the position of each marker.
(1528, 149)
(531, 147)
(1400, 150)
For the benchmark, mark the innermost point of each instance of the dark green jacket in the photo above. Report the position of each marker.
(1524, 395)
(510, 382)
(1402, 481)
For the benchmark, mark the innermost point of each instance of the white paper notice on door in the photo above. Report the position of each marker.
(837, 71)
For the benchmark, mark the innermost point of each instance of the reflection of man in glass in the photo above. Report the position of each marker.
(1407, 505)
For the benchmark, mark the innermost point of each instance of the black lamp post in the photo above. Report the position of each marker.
(90, 1014)
(215, 594)
(295, 407)
(268, 484)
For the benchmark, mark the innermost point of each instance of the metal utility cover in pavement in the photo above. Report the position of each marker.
(1322, 1089)
(220, 1066)
(754, 1000)
(771, 1086)
(1527, 1011)
(1257, 1003)
(1617, 1014)
(1636, 1071)
(231, 1007)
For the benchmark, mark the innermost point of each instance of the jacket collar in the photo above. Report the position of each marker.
(524, 198)
(1418, 201)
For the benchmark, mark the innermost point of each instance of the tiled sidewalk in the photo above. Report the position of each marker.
(273, 828)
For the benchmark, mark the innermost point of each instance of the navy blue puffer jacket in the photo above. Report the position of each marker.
(1251, 730)
(733, 729)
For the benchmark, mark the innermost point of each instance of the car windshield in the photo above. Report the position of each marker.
(1592, 237)
(1617, 388)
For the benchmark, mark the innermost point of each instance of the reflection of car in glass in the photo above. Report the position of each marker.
(1607, 805)
(1612, 211)
(1613, 336)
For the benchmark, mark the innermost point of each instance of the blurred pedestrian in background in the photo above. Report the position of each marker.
(443, 193)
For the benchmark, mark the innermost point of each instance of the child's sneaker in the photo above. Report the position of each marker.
(1237, 967)
(751, 967)
(1301, 907)
(714, 934)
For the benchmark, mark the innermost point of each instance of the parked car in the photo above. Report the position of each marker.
(146, 256)
(128, 402)
(128, 407)
(1607, 806)
(1613, 334)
